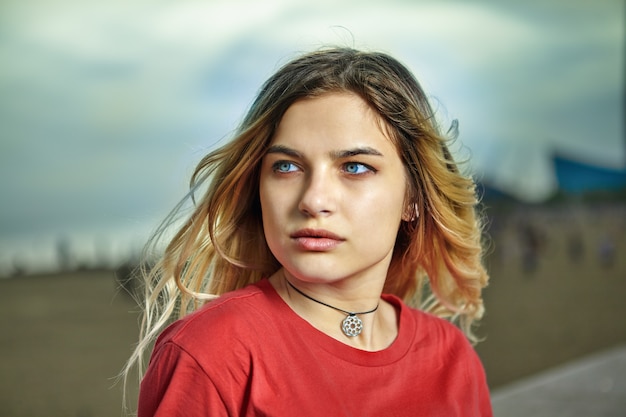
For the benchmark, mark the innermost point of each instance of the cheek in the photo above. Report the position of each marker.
(383, 204)
(265, 200)
(389, 215)
(270, 209)
(272, 221)
(266, 194)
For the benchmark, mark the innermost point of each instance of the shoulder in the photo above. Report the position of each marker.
(439, 328)
(445, 346)
(431, 333)
(235, 315)
(208, 352)
(446, 349)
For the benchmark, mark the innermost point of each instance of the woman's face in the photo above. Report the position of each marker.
(332, 191)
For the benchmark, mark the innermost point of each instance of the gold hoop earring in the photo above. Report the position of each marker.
(416, 213)
(411, 214)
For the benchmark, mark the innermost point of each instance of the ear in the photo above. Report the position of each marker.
(411, 213)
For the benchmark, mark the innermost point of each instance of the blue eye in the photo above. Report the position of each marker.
(284, 166)
(356, 168)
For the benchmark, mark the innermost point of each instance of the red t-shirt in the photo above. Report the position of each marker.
(248, 354)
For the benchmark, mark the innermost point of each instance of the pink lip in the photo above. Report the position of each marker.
(317, 240)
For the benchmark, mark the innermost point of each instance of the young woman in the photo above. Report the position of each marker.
(335, 207)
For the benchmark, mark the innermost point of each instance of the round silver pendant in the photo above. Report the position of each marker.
(352, 326)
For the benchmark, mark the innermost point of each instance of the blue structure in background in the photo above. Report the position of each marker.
(577, 177)
(574, 178)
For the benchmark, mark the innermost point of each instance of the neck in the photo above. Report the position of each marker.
(350, 313)
(326, 306)
(352, 325)
(351, 294)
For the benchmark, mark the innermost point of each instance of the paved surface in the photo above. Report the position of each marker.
(594, 386)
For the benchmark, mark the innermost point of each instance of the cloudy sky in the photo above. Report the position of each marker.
(106, 107)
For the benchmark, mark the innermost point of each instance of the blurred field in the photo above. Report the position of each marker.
(63, 339)
(557, 293)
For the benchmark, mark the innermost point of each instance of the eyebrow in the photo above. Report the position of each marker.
(341, 154)
(284, 150)
(366, 150)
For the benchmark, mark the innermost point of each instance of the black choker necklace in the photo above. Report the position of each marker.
(351, 325)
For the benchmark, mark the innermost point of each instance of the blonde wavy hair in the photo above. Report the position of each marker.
(437, 260)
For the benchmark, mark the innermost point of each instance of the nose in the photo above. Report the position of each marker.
(319, 195)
